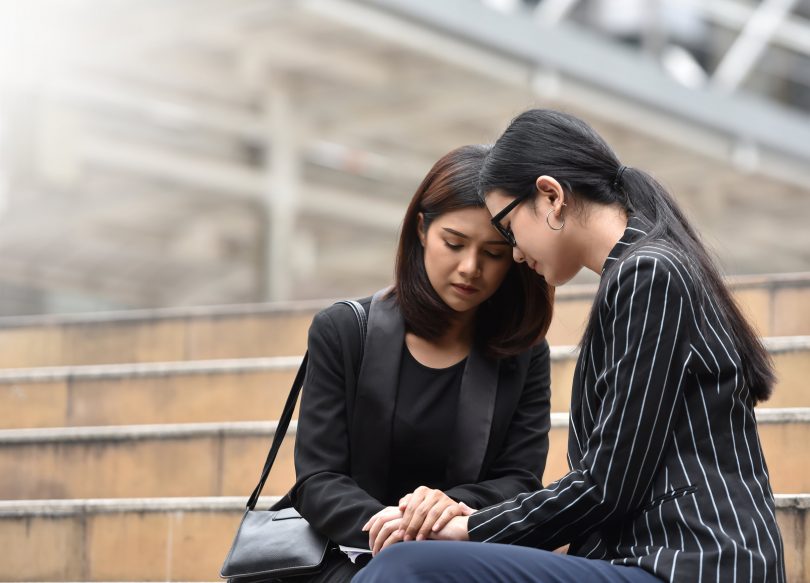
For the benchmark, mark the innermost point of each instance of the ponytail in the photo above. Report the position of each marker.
(563, 146)
(649, 200)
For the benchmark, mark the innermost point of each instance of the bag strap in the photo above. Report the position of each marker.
(292, 399)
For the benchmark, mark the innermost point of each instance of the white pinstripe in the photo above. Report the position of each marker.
(618, 390)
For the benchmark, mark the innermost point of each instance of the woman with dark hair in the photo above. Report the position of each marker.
(447, 407)
(667, 479)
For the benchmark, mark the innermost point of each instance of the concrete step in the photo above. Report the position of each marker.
(203, 459)
(146, 393)
(165, 539)
(186, 539)
(224, 459)
(250, 389)
(776, 304)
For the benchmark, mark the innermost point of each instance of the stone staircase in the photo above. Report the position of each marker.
(129, 442)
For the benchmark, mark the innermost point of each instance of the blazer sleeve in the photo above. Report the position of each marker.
(643, 319)
(520, 463)
(324, 493)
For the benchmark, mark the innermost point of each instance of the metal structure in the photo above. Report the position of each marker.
(207, 151)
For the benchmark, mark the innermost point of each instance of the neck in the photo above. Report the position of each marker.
(449, 348)
(459, 331)
(602, 228)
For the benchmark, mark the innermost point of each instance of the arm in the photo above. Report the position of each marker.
(324, 492)
(647, 344)
(519, 464)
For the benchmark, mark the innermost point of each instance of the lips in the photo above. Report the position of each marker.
(465, 289)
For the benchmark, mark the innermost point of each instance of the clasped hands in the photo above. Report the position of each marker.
(424, 514)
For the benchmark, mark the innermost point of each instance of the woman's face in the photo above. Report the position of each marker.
(544, 250)
(465, 258)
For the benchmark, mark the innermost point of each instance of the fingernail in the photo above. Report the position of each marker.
(435, 528)
(420, 537)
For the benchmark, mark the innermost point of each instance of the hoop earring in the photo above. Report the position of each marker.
(549, 222)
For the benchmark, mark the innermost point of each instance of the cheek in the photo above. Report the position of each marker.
(524, 233)
(497, 273)
(436, 258)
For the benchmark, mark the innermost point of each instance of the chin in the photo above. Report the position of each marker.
(460, 306)
(558, 280)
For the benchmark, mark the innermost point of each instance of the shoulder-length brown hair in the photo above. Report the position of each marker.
(518, 313)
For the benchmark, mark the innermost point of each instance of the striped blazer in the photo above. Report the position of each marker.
(666, 468)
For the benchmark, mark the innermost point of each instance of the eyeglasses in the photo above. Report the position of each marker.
(506, 232)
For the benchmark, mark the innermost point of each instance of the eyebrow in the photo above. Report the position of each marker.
(463, 236)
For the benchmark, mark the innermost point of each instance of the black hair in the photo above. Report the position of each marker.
(517, 314)
(543, 141)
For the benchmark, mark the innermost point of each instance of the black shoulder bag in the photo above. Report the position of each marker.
(272, 544)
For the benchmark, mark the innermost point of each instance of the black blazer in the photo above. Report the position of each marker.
(342, 444)
(667, 472)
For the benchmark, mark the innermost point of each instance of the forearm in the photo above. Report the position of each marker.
(495, 490)
(336, 506)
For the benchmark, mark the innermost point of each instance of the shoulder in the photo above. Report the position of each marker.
(540, 351)
(540, 357)
(338, 318)
(657, 267)
(537, 355)
(654, 260)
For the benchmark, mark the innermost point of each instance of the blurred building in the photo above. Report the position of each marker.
(184, 152)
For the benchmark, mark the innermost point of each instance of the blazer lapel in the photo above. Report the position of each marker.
(476, 407)
(376, 395)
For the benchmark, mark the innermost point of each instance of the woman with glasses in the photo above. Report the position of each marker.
(448, 406)
(667, 479)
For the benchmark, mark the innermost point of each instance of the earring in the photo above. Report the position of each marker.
(549, 222)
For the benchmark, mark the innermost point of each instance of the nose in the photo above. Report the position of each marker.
(470, 266)
(517, 254)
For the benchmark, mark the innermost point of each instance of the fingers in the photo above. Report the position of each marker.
(403, 502)
(449, 513)
(371, 520)
(456, 529)
(414, 500)
(395, 537)
(374, 530)
(442, 506)
(384, 533)
(377, 526)
(376, 522)
(429, 509)
(466, 510)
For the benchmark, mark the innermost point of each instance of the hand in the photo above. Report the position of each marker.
(389, 533)
(456, 529)
(423, 509)
(377, 534)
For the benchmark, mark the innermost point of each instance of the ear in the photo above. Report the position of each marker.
(420, 228)
(550, 191)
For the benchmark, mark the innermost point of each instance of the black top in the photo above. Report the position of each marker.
(343, 456)
(427, 399)
(667, 472)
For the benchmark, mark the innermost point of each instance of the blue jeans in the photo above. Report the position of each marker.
(464, 562)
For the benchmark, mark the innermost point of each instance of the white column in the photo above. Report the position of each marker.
(283, 168)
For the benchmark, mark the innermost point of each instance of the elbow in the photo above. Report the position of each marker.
(609, 500)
